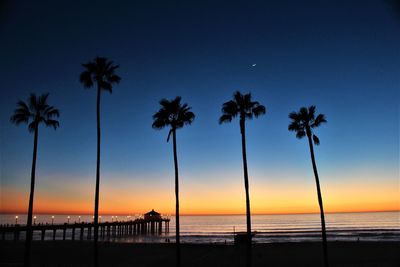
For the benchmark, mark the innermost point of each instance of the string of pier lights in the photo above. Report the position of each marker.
(113, 218)
(52, 219)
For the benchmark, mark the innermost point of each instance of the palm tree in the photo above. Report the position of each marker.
(35, 111)
(303, 123)
(245, 108)
(174, 115)
(102, 72)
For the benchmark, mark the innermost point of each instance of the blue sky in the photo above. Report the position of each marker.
(342, 56)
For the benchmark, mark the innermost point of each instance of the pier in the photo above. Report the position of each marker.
(150, 224)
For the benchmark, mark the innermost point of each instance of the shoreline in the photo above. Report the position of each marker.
(79, 253)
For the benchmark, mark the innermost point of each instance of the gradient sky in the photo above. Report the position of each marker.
(342, 56)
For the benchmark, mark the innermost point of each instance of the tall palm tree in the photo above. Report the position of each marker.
(303, 123)
(246, 109)
(101, 72)
(175, 115)
(35, 111)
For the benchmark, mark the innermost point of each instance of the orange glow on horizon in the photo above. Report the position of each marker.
(203, 199)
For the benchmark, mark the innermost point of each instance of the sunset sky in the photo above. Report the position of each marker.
(342, 56)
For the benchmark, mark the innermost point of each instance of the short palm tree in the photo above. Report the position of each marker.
(35, 111)
(303, 123)
(245, 108)
(99, 72)
(175, 115)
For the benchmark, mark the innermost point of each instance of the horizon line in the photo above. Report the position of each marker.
(194, 214)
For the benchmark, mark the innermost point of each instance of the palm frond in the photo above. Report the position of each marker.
(247, 100)
(175, 106)
(35, 112)
(303, 121)
(33, 102)
(102, 71)
(21, 113)
(169, 135)
(258, 110)
(294, 116)
(42, 103)
(225, 118)
(315, 139)
(241, 105)
(300, 134)
(160, 120)
(295, 126)
(247, 115)
(108, 65)
(311, 112)
(303, 113)
(172, 113)
(318, 121)
(230, 108)
(19, 118)
(188, 117)
(53, 123)
(86, 78)
(113, 78)
(32, 126)
(238, 98)
(106, 86)
(21, 105)
(158, 124)
(52, 112)
(164, 103)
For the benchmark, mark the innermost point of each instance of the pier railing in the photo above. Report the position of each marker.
(83, 230)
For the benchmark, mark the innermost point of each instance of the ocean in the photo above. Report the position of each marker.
(364, 226)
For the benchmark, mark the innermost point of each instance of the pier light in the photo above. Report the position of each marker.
(34, 219)
(112, 218)
(79, 219)
(116, 218)
(68, 219)
(52, 219)
(16, 219)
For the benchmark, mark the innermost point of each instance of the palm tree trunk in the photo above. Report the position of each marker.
(246, 187)
(246, 179)
(96, 198)
(178, 244)
(321, 206)
(28, 241)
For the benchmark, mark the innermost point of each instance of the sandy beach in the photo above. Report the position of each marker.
(69, 253)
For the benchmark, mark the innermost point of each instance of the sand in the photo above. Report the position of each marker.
(72, 253)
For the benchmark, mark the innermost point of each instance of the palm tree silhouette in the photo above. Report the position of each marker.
(245, 108)
(175, 115)
(35, 111)
(102, 72)
(303, 124)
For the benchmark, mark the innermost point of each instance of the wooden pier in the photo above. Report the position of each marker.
(84, 231)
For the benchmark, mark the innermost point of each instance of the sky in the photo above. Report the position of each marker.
(342, 56)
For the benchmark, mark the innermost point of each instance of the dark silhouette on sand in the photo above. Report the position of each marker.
(245, 108)
(99, 72)
(303, 123)
(175, 115)
(35, 111)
